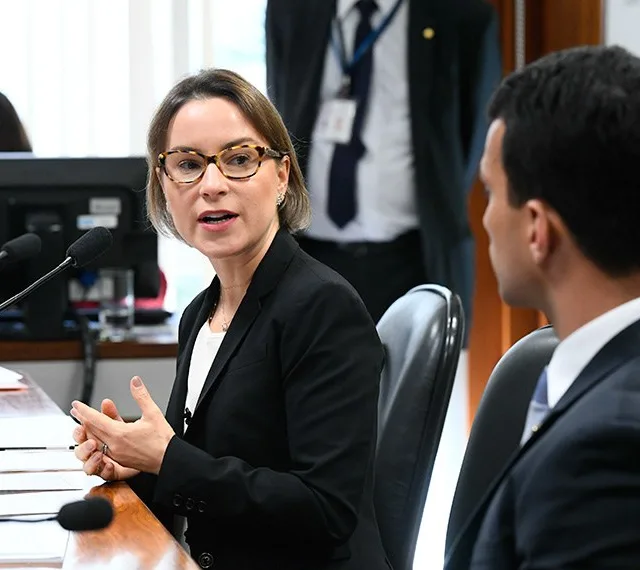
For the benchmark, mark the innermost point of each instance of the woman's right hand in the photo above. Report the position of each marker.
(89, 451)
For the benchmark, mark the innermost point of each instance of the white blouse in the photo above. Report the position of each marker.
(204, 351)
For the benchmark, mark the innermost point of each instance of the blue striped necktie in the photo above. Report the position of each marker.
(538, 408)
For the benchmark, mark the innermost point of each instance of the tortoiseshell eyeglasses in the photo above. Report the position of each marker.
(235, 162)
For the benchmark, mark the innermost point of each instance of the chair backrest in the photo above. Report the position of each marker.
(498, 423)
(422, 334)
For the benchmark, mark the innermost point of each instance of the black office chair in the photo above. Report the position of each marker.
(498, 423)
(422, 334)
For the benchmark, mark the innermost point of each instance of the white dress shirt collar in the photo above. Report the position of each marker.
(576, 351)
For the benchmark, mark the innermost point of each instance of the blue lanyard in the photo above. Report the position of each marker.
(366, 45)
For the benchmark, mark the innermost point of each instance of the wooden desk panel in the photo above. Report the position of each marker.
(146, 346)
(135, 540)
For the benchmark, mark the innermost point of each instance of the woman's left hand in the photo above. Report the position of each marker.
(141, 444)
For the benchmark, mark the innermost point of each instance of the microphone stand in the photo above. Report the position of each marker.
(19, 296)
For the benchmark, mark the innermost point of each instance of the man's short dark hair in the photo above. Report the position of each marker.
(572, 139)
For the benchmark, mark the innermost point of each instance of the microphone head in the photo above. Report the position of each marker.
(90, 246)
(23, 247)
(94, 513)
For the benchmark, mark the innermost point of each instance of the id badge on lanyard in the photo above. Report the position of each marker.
(336, 117)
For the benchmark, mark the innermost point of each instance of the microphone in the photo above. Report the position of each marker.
(81, 252)
(17, 249)
(89, 247)
(93, 513)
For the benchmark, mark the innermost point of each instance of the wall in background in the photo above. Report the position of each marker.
(622, 23)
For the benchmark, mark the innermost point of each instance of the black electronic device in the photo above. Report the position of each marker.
(59, 200)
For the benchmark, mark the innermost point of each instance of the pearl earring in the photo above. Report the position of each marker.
(280, 199)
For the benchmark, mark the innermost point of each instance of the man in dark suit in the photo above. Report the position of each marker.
(560, 167)
(389, 193)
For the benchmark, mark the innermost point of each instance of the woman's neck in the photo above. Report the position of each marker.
(235, 274)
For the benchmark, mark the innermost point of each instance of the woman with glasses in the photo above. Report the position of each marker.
(268, 444)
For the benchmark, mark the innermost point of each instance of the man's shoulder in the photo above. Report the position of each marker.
(608, 412)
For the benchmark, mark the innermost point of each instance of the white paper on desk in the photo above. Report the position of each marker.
(10, 380)
(48, 503)
(37, 432)
(47, 481)
(14, 461)
(44, 542)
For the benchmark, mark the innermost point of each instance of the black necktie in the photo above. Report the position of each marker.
(342, 176)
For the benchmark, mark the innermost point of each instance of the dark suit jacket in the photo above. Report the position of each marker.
(451, 77)
(570, 497)
(275, 468)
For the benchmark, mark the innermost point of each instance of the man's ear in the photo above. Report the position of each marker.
(541, 231)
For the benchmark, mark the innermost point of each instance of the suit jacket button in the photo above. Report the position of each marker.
(190, 504)
(201, 506)
(205, 560)
(177, 500)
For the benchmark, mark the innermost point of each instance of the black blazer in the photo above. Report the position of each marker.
(451, 77)
(570, 497)
(275, 468)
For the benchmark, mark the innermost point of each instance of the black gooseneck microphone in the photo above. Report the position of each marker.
(22, 247)
(81, 252)
(93, 513)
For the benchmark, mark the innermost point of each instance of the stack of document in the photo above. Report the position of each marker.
(39, 473)
(41, 544)
(41, 432)
(28, 471)
(17, 461)
(47, 503)
(10, 380)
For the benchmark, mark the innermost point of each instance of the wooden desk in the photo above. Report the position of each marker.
(135, 540)
(148, 344)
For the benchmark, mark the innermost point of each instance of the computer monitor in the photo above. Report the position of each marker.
(60, 199)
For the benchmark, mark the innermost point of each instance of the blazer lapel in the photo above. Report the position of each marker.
(242, 321)
(175, 407)
(266, 277)
(621, 349)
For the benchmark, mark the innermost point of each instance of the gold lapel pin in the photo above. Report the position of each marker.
(428, 33)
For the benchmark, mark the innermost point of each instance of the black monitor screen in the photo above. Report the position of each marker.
(60, 199)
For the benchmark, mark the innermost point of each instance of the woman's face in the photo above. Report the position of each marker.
(220, 217)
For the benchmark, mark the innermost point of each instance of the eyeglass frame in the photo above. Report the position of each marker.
(263, 152)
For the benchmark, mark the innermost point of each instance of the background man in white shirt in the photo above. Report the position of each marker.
(386, 100)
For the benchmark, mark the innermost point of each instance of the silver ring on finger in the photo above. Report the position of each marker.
(105, 449)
